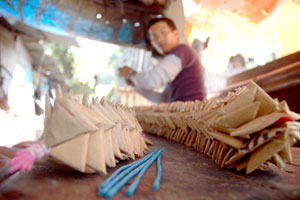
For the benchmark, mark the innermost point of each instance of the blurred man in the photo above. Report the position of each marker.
(180, 70)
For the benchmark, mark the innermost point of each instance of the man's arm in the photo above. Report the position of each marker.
(161, 74)
(154, 96)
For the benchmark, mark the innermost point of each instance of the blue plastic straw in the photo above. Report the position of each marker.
(113, 175)
(136, 182)
(118, 186)
(156, 182)
(110, 184)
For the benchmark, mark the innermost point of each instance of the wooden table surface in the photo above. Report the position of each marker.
(187, 174)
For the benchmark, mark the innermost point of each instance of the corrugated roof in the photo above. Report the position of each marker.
(119, 21)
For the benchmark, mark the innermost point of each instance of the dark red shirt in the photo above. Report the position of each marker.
(189, 83)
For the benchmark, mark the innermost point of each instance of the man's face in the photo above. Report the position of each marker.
(162, 37)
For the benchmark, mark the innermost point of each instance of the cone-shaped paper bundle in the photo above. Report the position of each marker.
(115, 142)
(96, 154)
(238, 117)
(122, 140)
(267, 103)
(245, 130)
(63, 126)
(108, 123)
(286, 153)
(130, 144)
(88, 113)
(241, 100)
(231, 141)
(85, 100)
(257, 124)
(263, 154)
(109, 149)
(73, 152)
(90, 137)
(104, 113)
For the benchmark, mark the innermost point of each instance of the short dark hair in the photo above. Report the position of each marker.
(170, 22)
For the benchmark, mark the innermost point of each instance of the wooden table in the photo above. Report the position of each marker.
(187, 174)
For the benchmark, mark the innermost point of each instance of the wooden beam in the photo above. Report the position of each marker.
(129, 6)
(250, 74)
(271, 81)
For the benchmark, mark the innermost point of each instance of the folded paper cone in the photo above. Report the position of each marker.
(64, 126)
(102, 112)
(261, 138)
(240, 101)
(264, 153)
(228, 155)
(73, 152)
(125, 117)
(278, 161)
(225, 129)
(122, 140)
(257, 124)
(242, 165)
(231, 141)
(95, 154)
(286, 153)
(115, 142)
(108, 122)
(230, 130)
(85, 100)
(90, 136)
(126, 132)
(238, 117)
(109, 149)
(89, 114)
(234, 158)
(267, 103)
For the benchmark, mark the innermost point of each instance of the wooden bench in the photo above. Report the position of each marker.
(187, 174)
(279, 78)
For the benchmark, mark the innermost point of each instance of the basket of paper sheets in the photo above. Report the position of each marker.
(87, 136)
(246, 130)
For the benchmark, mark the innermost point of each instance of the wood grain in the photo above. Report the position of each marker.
(187, 174)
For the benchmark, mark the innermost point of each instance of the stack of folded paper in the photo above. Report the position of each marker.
(245, 130)
(90, 136)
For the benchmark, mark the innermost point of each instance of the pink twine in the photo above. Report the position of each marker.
(144, 135)
(24, 159)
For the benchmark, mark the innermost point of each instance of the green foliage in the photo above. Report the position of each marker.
(80, 88)
(64, 58)
(110, 94)
(113, 59)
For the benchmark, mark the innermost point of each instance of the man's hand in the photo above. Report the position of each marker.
(123, 71)
(126, 72)
(129, 82)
